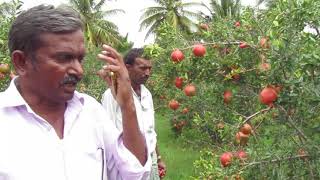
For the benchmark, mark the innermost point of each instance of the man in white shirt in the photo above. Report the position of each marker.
(139, 69)
(48, 131)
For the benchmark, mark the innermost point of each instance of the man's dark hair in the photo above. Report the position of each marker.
(27, 28)
(133, 54)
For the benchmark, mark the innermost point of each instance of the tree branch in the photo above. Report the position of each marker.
(255, 114)
(293, 125)
(277, 160)
(213, 43)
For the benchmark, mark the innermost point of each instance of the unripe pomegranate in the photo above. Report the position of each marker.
(264, 67)
(4, 68)
(241, 155)
(185, 110)
(227, 96)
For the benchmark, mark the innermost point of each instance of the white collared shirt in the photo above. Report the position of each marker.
(91, 148)
(145, 114)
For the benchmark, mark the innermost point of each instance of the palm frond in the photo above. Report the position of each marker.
(151, 11)
(153, 28)
(186, 24)
(98, 6)
(172, 11)
(192, 14)
(149, 20)
(98, 30)
(191, 4)
(111, 12)
(210, 10)
(225, 8)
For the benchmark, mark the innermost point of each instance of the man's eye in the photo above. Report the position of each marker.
(147, 68)
(64, 57)
(81, 59)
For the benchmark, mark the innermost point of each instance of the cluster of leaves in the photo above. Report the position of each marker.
(8, 11)
(278, 132)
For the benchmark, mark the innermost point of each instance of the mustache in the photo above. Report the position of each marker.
(71, 79)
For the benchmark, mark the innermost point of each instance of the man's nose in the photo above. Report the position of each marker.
(147, 72)
(76, 68)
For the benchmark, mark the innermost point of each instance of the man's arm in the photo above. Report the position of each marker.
(132, 137)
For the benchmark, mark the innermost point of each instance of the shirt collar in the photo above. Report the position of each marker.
(143, 92)
(11, 96)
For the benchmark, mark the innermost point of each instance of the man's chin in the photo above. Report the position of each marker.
(68, 95)
(143, 82)
(69, 88)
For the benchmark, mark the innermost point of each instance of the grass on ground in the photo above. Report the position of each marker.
(178, 158)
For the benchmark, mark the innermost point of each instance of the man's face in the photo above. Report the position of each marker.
(58, 66)
(140, 71)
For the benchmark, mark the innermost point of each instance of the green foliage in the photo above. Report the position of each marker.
(91, 83)
(280, 131)
(152, 51)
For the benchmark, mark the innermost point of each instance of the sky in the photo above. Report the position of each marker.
(128, 22)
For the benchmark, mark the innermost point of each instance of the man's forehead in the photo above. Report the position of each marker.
(63, 41)
(67, 36)
(142, 61)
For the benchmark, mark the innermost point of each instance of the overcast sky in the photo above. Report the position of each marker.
(128, 22)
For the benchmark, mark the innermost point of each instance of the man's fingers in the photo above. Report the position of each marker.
(111, 52)
(107, 59)
(111, 68)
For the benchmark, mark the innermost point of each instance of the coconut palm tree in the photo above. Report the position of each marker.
(98, 30)
(224, 8)
(268, 3)
(174, 12)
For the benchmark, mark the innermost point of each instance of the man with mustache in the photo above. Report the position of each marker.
(48, 130)
(139, 68)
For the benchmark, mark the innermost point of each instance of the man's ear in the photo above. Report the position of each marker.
(128, 66)
(19, 60)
